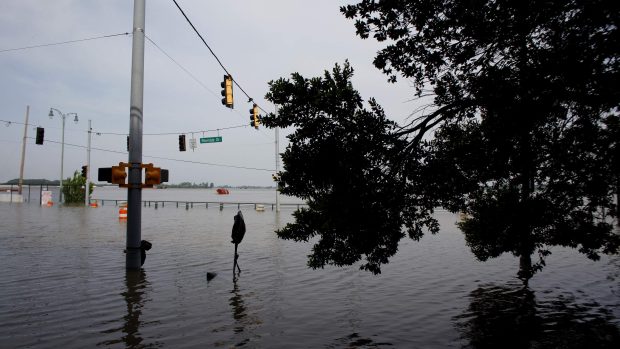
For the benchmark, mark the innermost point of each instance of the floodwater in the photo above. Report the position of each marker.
(63, 284)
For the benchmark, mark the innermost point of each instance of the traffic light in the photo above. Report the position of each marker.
(40, 132)
(152, 175)
(227, 91)
(114, 174)
(84, 171)
(181, 142)
(254, 120)
(118, 175)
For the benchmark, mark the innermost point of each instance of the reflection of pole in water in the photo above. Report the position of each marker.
(136, 284)
(238, 306)
(245, 321)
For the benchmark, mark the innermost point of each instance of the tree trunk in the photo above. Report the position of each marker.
(526, 161)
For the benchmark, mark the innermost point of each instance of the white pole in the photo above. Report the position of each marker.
(87, 185)
(277, 164)
(62, 157)
(21, 167)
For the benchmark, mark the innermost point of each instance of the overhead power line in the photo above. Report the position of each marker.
(180, 66)
(250, 99)
(9, 122)
(164, 158)
(172, 133)
(62, 42)
(190, 75)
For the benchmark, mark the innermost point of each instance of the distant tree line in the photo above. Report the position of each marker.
(210, 185)
(33, 182)
(188, 185)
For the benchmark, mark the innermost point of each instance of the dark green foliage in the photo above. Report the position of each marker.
(523, 137)
(342, 160)
(527, 112)
(73, 188)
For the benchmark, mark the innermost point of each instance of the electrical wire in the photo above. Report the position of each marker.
(172, 133)
(164, 158)
(250, 99)
(180, 66)
(188, 73)
(62, 42)
(8, 122)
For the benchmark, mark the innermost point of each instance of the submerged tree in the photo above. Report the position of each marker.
(527, 114)
(523, 137)
(340, 160)
(73, 188)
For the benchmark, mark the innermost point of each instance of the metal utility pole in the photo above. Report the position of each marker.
(87, 185)
(62, 151)
(21, 167)
(277, 163)
(134, 192)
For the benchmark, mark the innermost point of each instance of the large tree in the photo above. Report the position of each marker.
(524, 131)
(341, 160)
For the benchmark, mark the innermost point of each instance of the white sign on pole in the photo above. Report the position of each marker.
(46, 197)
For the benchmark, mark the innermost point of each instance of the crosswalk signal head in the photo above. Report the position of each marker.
(254, 117)
(40, 133)
(152, 175)
(181, 142)
(227, 91)
(118, 175)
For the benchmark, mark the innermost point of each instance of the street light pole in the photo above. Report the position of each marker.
(87, 185)
(133, 259)
(62, 151)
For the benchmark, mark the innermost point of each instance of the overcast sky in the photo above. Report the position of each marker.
(257, 41)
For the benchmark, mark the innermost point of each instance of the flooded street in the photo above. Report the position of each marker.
(63, 284)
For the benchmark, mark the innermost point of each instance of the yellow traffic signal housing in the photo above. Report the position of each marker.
(152, 175)
(119, 174)
(254, 117)
(227, 91)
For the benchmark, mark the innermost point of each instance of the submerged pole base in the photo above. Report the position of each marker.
(133, 259)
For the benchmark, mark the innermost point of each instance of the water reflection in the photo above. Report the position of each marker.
(245, 321)
(136, 286)
(510, 317)
(238, 306)
(354, 341)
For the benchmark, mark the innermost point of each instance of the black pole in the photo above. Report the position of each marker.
(236, 264)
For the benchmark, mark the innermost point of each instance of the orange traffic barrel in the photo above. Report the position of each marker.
(122, 213)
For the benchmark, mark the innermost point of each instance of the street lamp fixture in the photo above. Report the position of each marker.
(63, 116)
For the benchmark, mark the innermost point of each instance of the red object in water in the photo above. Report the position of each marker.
(222, 191)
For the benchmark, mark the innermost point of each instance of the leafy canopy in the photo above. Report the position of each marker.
(73, 188)
(522, 135)
(340, 160)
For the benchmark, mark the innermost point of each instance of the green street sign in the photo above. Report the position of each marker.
(211, 139)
